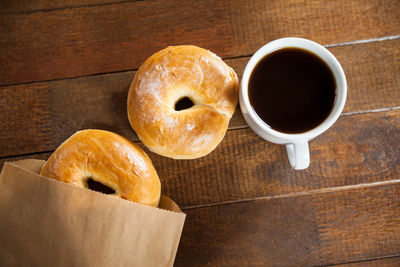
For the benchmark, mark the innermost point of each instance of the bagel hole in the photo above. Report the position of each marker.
(183, 103)
(99, 187)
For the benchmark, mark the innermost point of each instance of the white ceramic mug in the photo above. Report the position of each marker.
(296, 144)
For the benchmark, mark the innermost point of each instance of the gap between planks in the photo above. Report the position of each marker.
(279, 196)
(343, 114)
(229, 129)
(365, 260)
(27, 154)
(297, 194)
(369, 111)
(357, 42)
(67, 8)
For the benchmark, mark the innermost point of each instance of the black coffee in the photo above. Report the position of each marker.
(292, 90)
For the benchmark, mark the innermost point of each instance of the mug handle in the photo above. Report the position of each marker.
(298, 154)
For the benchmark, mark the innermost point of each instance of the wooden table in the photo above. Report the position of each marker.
(67, 65)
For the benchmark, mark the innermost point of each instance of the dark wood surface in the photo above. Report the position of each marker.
(250, 168)
(29, 6)
(385, 262)
(99, 39)
(49, 103)
(67, 65)
(314, 229)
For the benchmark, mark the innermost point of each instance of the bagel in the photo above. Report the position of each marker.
(165, 78)
(109, 159)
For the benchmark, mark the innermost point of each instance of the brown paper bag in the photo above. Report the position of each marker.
(44, 222)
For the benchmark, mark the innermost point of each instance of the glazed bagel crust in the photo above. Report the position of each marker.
(107, 158)
(168, 76)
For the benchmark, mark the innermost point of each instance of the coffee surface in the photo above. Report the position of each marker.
(292, 90)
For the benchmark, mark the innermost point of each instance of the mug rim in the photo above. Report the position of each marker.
(325, 55)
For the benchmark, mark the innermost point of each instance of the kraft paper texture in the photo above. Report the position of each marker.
(44, 222)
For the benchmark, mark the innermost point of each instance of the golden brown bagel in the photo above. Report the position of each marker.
(170, 75)
(107, 158)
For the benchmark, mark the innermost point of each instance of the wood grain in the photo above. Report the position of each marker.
(11, 6)
(245, 205)
(387, 262)
(358, 149)
(342, 225)
(308, 230)
(38, 117)
(101, 39)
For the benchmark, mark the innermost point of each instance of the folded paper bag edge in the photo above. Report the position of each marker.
(30, 168)
(34, 166)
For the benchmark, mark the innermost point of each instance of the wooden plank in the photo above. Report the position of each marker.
(11, 6)
(387, 262)
(38, 117)
(100, 39)
(358, 149)
(308, 230)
